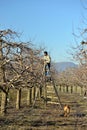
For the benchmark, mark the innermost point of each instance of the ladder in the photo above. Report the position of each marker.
(53, 85)
(48, 80)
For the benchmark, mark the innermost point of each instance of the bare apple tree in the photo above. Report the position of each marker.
(20, 66)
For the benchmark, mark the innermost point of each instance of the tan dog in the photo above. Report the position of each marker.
(66, 110)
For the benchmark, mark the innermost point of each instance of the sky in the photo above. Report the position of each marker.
(47, 23)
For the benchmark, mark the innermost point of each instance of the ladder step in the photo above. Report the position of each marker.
(50, 102)
(52, 93)
(54, 97)
(49, 91)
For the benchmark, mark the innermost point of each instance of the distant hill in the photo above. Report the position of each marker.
(61, 66)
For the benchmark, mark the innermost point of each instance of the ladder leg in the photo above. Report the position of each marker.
(37, 92)
(56, 92)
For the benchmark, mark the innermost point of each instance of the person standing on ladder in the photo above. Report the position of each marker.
(47, 63)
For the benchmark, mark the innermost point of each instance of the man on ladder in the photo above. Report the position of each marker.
(47, 63)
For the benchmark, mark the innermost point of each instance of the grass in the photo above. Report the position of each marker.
(46, 118)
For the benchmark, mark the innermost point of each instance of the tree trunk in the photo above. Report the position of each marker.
(67, 89)
(33, 92)
(2, 79)
(18, 101)
(60, 88)
(3, 103)
(75, 89)
(81, 90)
(29, 96)
(45, 95)
(63, 88)
(41, 91)
(71, 90)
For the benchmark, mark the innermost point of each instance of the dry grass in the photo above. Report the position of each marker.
(46, 118)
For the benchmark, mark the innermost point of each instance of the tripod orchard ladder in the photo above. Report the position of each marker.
(50, 79)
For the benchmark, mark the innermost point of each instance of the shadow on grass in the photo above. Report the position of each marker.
(42, 123)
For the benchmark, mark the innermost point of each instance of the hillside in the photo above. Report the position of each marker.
(61, 66)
